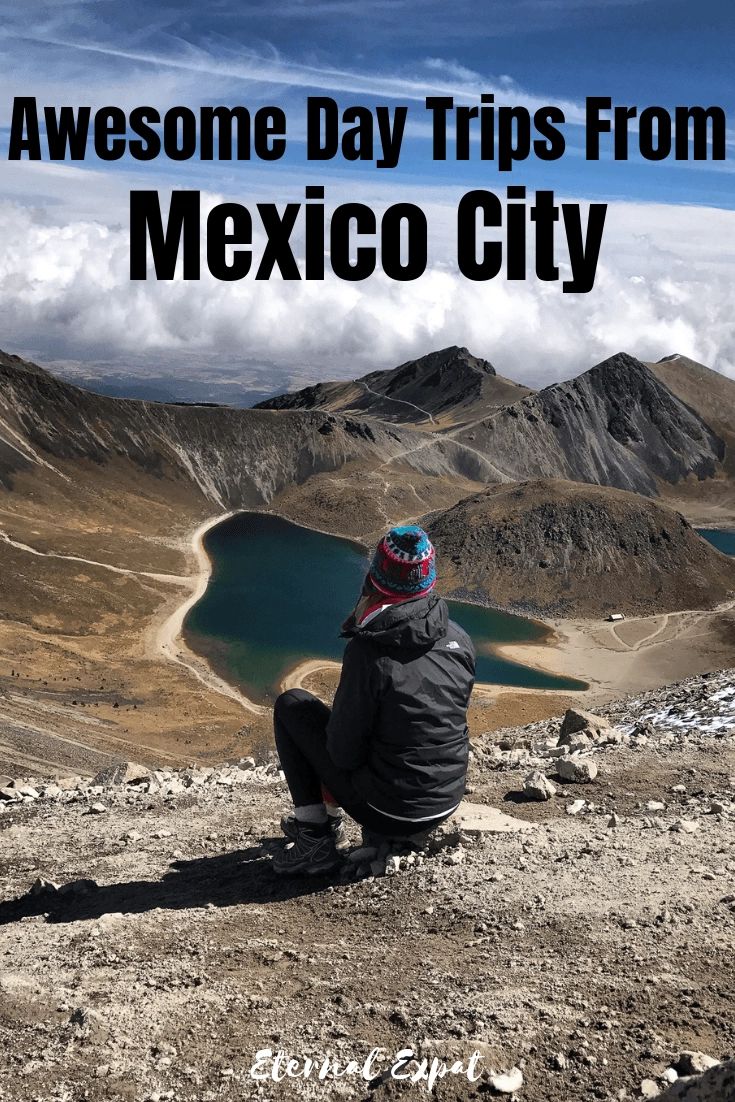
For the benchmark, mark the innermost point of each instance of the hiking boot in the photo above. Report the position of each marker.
(290, 827)
(309, 853)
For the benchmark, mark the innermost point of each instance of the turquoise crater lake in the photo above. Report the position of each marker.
(721, 538)
(278, 594)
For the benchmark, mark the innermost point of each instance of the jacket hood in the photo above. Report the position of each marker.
(412, 624)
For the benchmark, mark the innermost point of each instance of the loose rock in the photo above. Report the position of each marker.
(685, 826)
(538, 786)
(577, 770)
(650, 1089)
(691, 1062)
(479, 819)
(126, 772)
(716, 1085)
(577, 720)
(507, 1083)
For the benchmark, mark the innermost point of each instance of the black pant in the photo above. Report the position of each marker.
(300, 722)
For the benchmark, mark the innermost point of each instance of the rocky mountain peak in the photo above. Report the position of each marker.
(450, 383)
(454, 358)
(621, 367)
(447, 366)
(617, 424)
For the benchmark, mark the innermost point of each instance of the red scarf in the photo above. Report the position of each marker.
(375, 601)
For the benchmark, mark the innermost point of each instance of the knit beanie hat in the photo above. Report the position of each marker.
(404, 563)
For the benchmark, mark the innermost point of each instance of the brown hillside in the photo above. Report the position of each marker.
(568, 549)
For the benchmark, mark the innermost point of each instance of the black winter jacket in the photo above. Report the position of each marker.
(399, 720)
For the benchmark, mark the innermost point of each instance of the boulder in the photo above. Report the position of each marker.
(537, 786)
(650, 1089)
(174, 788)
(715, 1085)
(577, 720)
(28, 792)
(690, 1062)
(506, 1083)
(124, 772)
(68, 784)
(579, 741)
(478, 819)
(577, 770)
(684, 826)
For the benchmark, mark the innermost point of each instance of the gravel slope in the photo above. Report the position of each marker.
(586, 952)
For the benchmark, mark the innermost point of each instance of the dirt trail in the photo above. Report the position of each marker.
(173, 579)
(635, 655)
(397, 401)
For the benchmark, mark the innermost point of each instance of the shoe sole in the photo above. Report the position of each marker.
(304, 870)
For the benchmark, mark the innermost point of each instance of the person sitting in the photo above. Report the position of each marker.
(393, 749)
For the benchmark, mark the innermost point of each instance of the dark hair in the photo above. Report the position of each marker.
(368, 586)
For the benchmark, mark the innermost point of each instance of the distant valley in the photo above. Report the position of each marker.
(99, 497)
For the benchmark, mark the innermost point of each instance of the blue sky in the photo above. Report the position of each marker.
(529, 52)
(638, 52)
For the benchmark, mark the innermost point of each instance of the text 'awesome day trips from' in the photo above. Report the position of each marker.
(236, 240)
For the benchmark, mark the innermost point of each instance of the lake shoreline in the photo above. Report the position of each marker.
(173, 641)
(591, 651)
(637, 654)
(176, 644)
(170, 637)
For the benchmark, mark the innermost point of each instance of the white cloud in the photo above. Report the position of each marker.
(64, 287)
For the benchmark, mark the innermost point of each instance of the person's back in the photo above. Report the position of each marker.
(393, 750)
(400, 713)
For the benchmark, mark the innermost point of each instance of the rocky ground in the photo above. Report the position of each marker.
(581, 941)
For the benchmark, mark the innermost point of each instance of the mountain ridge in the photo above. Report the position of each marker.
(450, 381)
(616, 424)
(233, 457)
